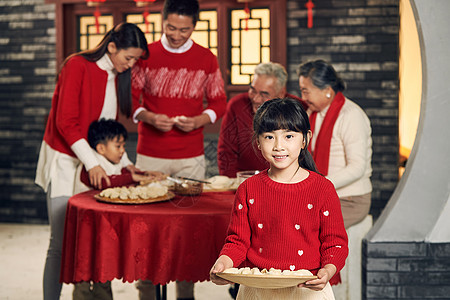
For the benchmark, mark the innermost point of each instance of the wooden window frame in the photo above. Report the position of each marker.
(66, 27)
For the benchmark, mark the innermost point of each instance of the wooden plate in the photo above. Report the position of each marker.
(266, 281)
(166, 197)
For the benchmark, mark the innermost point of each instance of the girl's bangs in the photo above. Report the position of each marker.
(276, 119)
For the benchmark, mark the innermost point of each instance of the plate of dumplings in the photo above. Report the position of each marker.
(266, 279)
(141, 194)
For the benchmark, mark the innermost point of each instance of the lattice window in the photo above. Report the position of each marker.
(249, 38)
(250, 43)
(88, 37)
(205, 32)
(153, 27)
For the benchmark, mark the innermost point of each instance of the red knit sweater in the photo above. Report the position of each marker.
(125, 178)
(287, 226)
(76, 103)
(235, 150)
(175, 84)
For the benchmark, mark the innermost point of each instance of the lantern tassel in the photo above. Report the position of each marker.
(97, 14)
(247, 15)
(309, 5)
(145, 15)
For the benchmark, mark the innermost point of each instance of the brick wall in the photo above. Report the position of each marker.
(360, 39)
(406, 271)
(27, 72)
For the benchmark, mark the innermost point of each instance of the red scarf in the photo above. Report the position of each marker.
(321, 154)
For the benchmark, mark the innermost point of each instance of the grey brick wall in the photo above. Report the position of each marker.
(27, 72)
(406, 271)
(360, 38)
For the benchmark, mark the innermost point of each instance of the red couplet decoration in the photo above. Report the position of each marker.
(309, 5)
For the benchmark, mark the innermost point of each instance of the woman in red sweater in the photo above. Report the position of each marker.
(92, 84)
(287, 217)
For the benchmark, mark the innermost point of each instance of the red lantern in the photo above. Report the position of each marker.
(144, 3)
(97, 13)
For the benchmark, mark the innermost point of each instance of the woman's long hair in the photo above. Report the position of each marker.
(286, 114)
(124, 36)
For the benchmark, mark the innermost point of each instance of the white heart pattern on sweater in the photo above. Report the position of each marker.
(260, 225)
(310, 206)
(240, 206)
(297, 226)
(300, 252)
(292, 267)
(326, 213)
(251, 201)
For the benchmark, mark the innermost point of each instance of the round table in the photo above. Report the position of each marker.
(166, 241)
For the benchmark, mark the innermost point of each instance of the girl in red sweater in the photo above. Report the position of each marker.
(287, 217)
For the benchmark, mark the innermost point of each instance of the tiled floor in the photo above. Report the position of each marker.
(22, 255)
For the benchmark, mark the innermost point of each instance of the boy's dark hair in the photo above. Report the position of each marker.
(102, 131)
(188, 8)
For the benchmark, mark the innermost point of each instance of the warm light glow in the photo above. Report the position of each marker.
(205, 33)
(410, 79)
(250, 42)
(88, 32)
(154, 25)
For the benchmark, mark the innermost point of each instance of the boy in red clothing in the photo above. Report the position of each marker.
(107, 138)
(287, 217)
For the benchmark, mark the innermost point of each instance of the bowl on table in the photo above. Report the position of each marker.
(242, 175)
(188, 188)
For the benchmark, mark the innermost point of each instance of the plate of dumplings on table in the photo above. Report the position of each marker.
(141, 194)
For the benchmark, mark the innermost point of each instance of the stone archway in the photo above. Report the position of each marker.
(405, 253)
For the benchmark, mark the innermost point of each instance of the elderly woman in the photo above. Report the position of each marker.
(341, 143)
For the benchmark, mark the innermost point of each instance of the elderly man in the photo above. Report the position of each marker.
(236, 149)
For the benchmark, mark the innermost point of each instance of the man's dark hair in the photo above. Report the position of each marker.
(102, 131)
(188, 8)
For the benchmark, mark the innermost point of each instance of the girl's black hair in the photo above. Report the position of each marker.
(286, 114)
(102, 131)
(124, 36)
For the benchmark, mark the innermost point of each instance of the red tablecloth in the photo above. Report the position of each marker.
(166, 241)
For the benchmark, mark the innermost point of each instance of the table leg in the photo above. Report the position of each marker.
(161, 289)
(158, 292)
(164, 292)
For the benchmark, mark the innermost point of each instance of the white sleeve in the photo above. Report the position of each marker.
(136, 113)
(212, 115)
(85, 154)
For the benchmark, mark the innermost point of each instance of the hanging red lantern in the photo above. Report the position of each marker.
(144, 3)
(247, 12)
(310, 5)
(97, 14)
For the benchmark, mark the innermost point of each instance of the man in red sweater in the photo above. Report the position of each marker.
(236, 150)
(173, 82)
